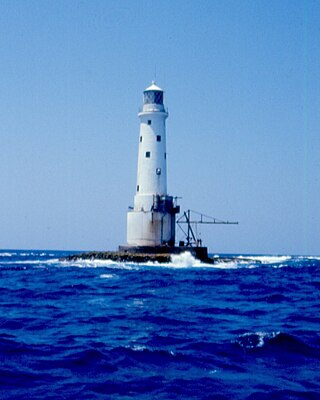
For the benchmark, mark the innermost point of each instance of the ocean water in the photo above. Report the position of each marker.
(184, 330)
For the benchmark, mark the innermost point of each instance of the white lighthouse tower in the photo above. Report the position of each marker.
(152, 221)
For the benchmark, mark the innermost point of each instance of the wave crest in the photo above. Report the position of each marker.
(276, 343)
(253, 340)
(185, 259)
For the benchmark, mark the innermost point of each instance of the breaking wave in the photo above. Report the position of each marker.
(276, 343)
(178, 261)
(255, 340)
(267, 259)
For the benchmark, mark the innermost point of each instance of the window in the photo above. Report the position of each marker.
(153, 97)
(165, 156)
(148, 154)
(158, 171)
(158, 138)
(158, 97)
(149, 121)
(140, 139)
(137, 188)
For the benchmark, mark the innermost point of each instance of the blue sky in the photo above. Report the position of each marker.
(241, 81)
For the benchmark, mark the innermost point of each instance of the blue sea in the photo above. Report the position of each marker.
(248, 329)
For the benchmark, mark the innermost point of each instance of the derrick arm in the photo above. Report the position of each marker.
(202, 219)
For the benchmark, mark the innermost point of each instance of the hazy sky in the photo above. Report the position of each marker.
(242, 84)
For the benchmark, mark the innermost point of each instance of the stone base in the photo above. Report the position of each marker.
(201, 253)
(160, 254)
(142, 254)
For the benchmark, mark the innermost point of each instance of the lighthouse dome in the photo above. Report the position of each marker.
(153, 86)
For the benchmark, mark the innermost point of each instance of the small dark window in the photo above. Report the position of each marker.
(140, 139)
(165, 156)
(158, 171)
(149, 121)
(148, 154)
(158, 138)
(137, 188)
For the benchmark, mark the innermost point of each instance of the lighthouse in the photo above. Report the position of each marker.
(151, 222)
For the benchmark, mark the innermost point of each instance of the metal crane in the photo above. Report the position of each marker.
(186, 218)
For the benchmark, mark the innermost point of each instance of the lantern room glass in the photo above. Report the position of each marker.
(153, 97)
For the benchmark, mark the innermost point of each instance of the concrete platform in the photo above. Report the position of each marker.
(160, 254)
(142, 254)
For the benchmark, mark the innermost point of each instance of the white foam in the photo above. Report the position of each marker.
(34, 262)
(7, 254)
(107, 276)
(178, 261)
(227, 265)
(250, 339)
(97, 264)
(137, 347)
(185, 259)
(266, 259)
(213, 371)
